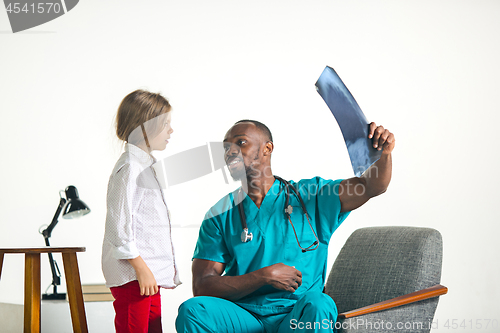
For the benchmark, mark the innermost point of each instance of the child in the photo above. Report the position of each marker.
(137, 252)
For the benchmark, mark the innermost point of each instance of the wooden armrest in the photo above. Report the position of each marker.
(416, 296)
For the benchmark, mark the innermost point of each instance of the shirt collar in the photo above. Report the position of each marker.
(144, 158)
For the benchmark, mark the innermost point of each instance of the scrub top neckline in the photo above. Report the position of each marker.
(273, 191)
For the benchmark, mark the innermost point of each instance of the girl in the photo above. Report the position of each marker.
(137, 253)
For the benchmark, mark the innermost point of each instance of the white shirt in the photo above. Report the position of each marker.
(137, 223)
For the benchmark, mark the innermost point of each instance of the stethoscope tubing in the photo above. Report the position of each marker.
(247, 236)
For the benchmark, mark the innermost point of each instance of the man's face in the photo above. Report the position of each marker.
(243, 146)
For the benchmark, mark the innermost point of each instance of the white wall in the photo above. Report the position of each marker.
(427, 70)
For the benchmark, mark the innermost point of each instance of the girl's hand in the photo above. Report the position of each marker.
(147, 281)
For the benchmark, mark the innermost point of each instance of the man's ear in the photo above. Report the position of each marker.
(268, 148)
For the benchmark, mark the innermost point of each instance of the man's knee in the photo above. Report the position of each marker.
(320, 302)
(190, 313)
(204, 314)
(191, 305)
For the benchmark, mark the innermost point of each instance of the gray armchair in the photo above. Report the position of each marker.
(386, 279)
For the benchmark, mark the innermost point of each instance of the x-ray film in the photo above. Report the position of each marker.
(351, 120)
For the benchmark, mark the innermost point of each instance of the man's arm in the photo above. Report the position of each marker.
(207, 280)
(354, 192)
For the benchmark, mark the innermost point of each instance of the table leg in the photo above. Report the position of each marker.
(1, 264)
(74, 289)
(32, 286)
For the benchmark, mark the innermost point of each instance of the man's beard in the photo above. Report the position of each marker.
(247, 171)
(241, 174)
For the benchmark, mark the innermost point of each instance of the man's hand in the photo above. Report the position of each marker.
(284, 277)
(147, 281)
(382, 138)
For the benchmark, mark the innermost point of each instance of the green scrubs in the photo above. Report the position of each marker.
(273, 242)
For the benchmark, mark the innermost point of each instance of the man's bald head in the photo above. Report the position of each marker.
(263, 128)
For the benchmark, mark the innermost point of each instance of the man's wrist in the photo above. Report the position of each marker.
(260, 276)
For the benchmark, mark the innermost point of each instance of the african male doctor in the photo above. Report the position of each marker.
(260, 266)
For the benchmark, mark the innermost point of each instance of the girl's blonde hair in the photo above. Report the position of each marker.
(141, 115)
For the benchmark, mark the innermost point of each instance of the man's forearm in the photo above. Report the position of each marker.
(209, 281)
(378, 176)
(229, 287)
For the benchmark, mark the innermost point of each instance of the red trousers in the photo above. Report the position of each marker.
(136, 313)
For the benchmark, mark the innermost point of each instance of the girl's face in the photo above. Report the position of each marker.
(160, 141)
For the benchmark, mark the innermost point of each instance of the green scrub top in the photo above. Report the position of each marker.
(274, 239)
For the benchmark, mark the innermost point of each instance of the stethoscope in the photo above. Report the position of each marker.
(248, 236)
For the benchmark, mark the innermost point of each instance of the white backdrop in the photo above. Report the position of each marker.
(427, 70)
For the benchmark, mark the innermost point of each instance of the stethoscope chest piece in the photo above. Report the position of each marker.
(246, 236)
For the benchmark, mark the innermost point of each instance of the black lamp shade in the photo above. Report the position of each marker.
(75, 207)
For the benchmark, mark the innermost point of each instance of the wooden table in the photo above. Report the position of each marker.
(32, 285)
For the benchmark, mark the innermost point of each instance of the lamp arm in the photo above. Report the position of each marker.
(56, 275)
(48, 231)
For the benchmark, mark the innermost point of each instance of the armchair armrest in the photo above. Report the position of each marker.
(416, 296)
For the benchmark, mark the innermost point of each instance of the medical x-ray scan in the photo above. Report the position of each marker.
(351, 120)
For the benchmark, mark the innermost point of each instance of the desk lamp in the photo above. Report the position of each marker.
(72, 207)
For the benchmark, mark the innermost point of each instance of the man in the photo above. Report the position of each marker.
(273, 282)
